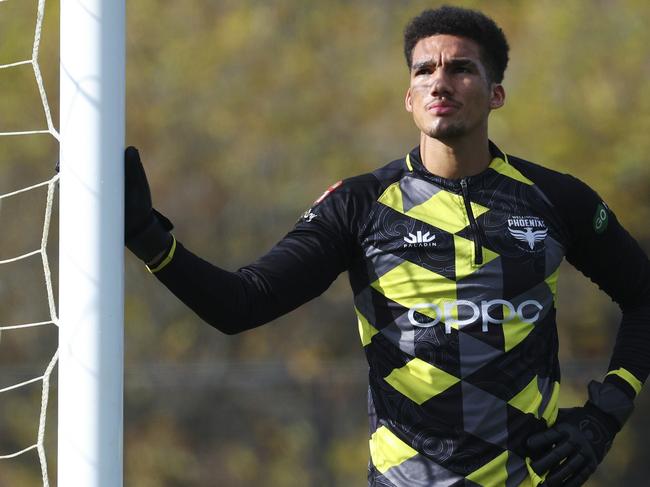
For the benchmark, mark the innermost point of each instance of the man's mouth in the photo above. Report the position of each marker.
(442, 107)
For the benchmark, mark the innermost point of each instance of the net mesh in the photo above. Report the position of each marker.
(47, 127)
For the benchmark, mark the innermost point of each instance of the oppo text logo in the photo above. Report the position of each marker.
(527, 312)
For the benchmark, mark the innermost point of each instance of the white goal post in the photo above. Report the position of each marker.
(91, 246)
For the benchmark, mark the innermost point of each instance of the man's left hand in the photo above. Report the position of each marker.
(571, 450)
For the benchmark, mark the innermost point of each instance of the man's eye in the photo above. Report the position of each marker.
(422, 71)
(462, 69)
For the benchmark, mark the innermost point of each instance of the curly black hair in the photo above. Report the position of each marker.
(464, 23)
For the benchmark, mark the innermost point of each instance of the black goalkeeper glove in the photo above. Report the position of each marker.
(571, 450)
(146, 231)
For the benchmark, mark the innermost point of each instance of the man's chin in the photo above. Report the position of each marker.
(447, 133)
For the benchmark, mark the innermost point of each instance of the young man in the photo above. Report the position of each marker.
(453, 254)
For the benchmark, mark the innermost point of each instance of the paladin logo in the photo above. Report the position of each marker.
(529, 229)
(309, 215)
(420, 240)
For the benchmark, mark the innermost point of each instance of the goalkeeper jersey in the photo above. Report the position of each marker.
(454, 285)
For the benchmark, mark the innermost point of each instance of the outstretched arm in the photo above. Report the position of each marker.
(298, 268)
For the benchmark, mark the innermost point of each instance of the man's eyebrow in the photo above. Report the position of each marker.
(452, 62)
(422, 64)
(462, 62)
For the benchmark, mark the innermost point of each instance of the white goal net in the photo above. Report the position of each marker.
(28, 317)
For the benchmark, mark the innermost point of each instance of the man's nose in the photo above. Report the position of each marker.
(441, 83)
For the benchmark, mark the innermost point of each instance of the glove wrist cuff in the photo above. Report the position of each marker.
(152, 241)
(610, 400)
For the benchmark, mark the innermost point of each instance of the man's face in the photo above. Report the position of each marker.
(450, 94)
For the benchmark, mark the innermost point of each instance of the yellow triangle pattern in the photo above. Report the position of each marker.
(392, 197)
(420, 381)
(550, 413)
(446, 211)
(515, 330)
(411, 285)
(493, 473)
(366, 330)
(465, 258)
(529, 399)
(551, 281)
(502, 167)
(387, 450)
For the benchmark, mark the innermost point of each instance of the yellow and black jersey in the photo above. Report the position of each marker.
(454, 285)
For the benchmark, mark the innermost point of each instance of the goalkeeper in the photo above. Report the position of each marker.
(452, 252)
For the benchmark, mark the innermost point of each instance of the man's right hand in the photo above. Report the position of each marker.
(146, 231)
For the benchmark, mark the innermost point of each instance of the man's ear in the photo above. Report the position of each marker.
(498, 98)
(408, 101)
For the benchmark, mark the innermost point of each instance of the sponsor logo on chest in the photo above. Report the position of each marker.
(463, 312)
(419, 239)
(530, 230)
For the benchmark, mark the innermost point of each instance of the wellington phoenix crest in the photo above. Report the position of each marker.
(528, 229)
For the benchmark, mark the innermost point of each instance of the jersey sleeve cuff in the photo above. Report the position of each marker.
(625, 380)
(166, 260)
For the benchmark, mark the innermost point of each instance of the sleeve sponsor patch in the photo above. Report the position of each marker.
(309, 215)
(601, 218)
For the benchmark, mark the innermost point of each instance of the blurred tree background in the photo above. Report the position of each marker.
(244, 112)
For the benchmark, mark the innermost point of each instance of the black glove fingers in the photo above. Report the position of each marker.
(146, 232)
(134, 176)
(137, 196)
(553, 458)
(541, 442)
(565, 470)
(563, 414)
(572, 449)
(131, 154)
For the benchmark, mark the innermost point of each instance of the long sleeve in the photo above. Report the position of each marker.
(599, 247)
(605, 252)
(298, 268)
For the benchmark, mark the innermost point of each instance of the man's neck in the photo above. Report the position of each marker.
(455, 159)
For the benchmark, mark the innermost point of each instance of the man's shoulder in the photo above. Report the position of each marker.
(548, 180)
(536, 171)
(569, 195)
(391, 172)
(350, 201)
(374, 182)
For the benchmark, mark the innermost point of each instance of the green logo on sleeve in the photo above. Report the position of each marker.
(601, 218)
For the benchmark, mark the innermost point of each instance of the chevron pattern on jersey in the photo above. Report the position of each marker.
(449, 340)
(366, 330)
(502, 167)
(420, 381)
(492, 473)
(387, 450)
(536, 399)
(444, 210)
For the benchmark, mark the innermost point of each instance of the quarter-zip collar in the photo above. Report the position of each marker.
(461, 187)
(414, 162)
